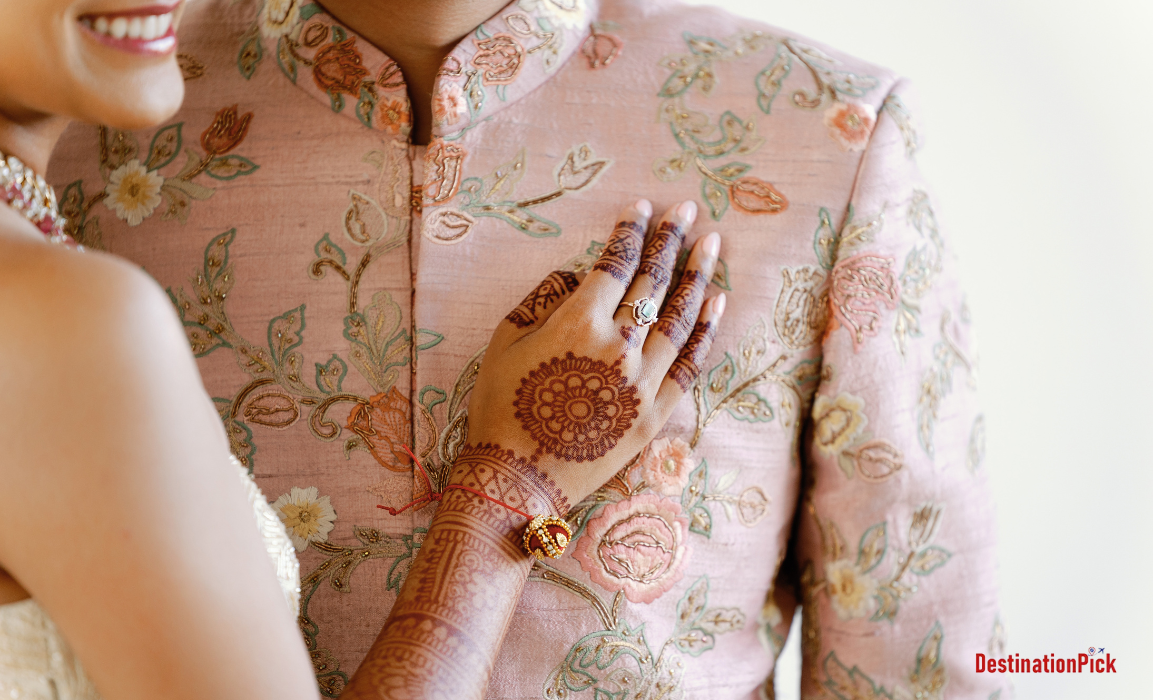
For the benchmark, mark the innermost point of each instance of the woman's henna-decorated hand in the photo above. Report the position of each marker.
(570, 389)
(572, 383)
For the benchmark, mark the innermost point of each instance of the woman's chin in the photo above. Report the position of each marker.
(144, 103)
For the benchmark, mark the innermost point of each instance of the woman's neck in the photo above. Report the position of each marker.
(417, 35)
(29, 136)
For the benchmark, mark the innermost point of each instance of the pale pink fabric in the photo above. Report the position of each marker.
(841, 444)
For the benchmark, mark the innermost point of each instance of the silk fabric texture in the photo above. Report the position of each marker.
(339, 287)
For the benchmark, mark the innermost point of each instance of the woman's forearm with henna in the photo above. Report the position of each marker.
(446, 627)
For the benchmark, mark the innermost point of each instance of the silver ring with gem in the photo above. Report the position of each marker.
(644, 311)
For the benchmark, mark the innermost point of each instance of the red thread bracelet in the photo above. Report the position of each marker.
(545, 536)
(435, 496)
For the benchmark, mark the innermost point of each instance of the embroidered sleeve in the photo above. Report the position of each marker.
(895, 545)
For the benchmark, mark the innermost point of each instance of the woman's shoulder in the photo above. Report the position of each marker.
(62, 311)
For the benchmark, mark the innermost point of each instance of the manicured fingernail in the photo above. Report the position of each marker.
(687, 210)
(644, 207)
(719, 304)
(712, 244)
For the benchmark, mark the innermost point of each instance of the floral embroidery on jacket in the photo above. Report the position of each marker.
(134, 187)
(927, 679)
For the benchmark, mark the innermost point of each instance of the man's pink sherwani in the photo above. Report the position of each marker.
(339, 286)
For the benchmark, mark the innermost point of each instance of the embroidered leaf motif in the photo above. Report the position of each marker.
(285, 60)
(520, 218)
(693, 603)
(365, 106)
(769, 80)
(379, 344)
(923, 527)
(164, 147)
(426, 339)
(694, 642)
(272, 409)
(872, 547)
(701, 521)
(850, 684)
(825, 240)
(716, 197)
(752, 506)
(694, 492)
(721, 620)
(327, 254)
(251, 53)
(750, 407)
(191, 189)
(719, 379)
(732, 171)
(330, 376)
(309, 10)
(502, 181)
(721, 275)
(230, 167)
(285, 334)
(364, 220)
(929, 559)
(116, 149)
(686, 70)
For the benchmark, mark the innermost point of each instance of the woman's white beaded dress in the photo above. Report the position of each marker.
(37, 664)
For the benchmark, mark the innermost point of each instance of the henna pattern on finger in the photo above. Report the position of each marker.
(558, 284)
(660, 255)
(577, 408)
(632, 335)
(620, 256)
(687, 367)
(680, 314)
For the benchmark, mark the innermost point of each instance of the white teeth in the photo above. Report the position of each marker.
(145, 28)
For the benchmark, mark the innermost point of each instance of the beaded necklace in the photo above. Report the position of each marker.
(29, 194)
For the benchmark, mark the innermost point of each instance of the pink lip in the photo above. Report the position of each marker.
(160, 46)
(138, 11)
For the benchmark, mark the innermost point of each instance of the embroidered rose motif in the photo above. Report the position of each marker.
(637, 546)
(499, 58)
(666, 465)
(860, 286)
(385, 429)
(850, 589)
(228, 129)
(850, 124)
(307, 516)
(755, 196)
(838, 422)
(442, 170)
(448, 105)
(279, 17)
(133, 192)
(338, 68)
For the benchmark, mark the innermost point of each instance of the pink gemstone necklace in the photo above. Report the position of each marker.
(29, 194)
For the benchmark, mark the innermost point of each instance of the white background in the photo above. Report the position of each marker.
(1039, 146)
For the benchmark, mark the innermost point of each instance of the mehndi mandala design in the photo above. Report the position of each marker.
(576, 408)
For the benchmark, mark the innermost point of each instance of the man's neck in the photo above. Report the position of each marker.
(417, 35)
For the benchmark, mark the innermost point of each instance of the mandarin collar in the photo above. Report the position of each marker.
(502, 60)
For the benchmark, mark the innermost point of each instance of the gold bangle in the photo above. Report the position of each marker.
(546, 536)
